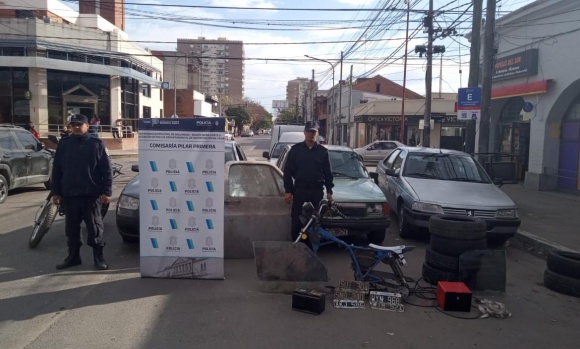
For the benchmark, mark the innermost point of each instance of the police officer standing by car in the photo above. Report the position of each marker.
(82, 181)
(306, 173)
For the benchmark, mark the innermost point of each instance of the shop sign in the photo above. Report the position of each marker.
(520, 64)
(389, 119)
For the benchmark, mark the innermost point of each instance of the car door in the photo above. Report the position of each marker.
(15, 158)
(395, 183)
(386, 148)
(255, 209)
(387, 163)
(37, 161)
(241, 155)
(371, 153)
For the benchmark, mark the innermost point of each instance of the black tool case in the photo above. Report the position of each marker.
(308, 301)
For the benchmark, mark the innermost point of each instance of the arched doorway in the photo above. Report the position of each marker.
(514, 134)
(569, 162)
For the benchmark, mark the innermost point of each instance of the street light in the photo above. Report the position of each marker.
(333, 93)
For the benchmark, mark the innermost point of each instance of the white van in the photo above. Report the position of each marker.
(278, 130)
(290, 138)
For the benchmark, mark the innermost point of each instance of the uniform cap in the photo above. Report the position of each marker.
(78, 119)
(310, 126)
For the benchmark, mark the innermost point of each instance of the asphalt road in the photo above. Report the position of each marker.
(84, 308)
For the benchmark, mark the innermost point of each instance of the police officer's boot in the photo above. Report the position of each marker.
(73, 258)
(100, 262)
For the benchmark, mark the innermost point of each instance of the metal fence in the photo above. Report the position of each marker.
(508, 167)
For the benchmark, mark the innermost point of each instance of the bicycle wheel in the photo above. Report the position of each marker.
(42, 224)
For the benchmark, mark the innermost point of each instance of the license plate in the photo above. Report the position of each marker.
(386, 301)
(348, 299)
(338, 232)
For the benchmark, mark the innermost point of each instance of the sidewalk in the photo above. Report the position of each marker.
(116, 154)
(549, 219)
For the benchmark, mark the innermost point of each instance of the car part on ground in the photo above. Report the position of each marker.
(453, 247)
(457, 227)
(561, 284)
(441, 261)
(42, 223)
(562, 272)
(434, 275)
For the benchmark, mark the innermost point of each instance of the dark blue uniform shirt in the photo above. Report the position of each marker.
(309, 167)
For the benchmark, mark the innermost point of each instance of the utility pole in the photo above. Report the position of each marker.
(312, 96)
(296, 108)
(340, 102)
(488, 58)
(348, 122)
(474, 69)
(175, 88)
(402, 132)
(426, 142)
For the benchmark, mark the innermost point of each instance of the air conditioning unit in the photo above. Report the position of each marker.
(46, 19)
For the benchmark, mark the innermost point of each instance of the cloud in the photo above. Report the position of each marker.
(243, 3)
(356, 2)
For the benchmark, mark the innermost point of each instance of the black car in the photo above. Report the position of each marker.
(24, 160)
(128, 204)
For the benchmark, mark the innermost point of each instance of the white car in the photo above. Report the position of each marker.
(229, 136)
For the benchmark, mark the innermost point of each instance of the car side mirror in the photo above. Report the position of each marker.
(266, 155)
(135, 168)
(375, 177)
(498, 182)
(40, 146)
(391, 172)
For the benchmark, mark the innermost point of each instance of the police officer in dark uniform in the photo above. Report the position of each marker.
(82, 181)
(306, 173)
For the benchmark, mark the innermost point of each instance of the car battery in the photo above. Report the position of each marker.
(308, 301)
(453, 296)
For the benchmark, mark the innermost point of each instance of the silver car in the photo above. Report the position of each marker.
(376, 151)
(421, 182)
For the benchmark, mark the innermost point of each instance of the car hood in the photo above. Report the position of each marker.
(459, 194)
(356, 190)
(132, 188)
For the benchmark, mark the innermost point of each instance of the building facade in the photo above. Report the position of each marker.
(535, 110)
(55, 61)
(299, 94)
(221, 62)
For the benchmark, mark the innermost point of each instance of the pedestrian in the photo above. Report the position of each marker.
(306, 173)
(66, 131)
(95, 122)
(116, 126)
(82, 182)
(32, 129)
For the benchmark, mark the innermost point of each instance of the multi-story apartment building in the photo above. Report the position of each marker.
(298, 91)
(221, 62)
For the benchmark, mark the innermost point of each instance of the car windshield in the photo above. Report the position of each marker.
(278, 149)
(347, 164)
(449, 167)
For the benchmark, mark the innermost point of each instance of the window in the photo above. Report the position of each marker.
(27, 140)
(399, 160)
(388, 145)
(146, 112)
(445, 167)
(146, 88)
(7, 141)
(346, 163)
(254, 181)
(377, 88)
(388, 162)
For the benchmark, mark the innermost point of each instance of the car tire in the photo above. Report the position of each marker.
(564, 263)
(377, 236)
(404, 227)
(561, 283)
(45, 220)
(441, 261)
(434, 275)
(457, 227)
(3, 189)
(452, 247)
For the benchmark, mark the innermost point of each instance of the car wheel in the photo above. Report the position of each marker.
(404, 227)
(3, 189)
(457, 227)
(377, 236)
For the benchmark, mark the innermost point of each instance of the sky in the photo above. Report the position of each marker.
(276, 40)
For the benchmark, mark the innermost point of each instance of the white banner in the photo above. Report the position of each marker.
(181, 191)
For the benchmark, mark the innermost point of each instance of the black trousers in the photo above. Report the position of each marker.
(115, 132)
(300, 197)
(78, 209)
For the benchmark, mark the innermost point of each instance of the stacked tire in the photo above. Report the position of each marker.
(563, 272)
(451, 236)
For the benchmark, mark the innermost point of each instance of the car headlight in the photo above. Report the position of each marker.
(425, 207)
(128, 202)
(507, 213)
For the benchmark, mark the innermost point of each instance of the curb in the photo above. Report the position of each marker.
(122, 156)
(536, 244)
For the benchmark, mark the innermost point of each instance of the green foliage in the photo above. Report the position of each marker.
(240, 115)
(289, 115)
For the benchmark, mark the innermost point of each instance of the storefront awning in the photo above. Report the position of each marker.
(530, 88)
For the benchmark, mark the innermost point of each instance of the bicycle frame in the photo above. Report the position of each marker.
(375, 278)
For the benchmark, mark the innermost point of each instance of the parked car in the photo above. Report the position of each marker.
(24, 161)
(128, 204)
(247, 133)
(287, 138)
(356, 191)
(229, 136)
(376, 151)
(421, 182)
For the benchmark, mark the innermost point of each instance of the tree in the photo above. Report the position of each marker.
(261, 118)
(288, 115)
(240, 115)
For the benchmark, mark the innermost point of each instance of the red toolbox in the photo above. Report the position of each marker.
(453, 296)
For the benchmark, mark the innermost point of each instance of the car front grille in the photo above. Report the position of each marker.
(469, 213)
(353, 209)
